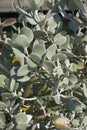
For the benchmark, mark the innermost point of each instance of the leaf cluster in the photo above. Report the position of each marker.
(43, 66)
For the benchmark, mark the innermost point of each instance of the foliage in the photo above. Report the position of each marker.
(43, 69)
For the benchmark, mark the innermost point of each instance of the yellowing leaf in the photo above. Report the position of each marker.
(80, 65)
(15, 60)
(26, 108)
(61, 122)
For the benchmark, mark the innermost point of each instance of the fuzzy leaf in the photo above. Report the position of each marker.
(39, 49)
(27, 32)
(23, 79)
(31, 64)
(2, 80)
(54, 22)
(60, 56)
(21, 118)
(85, 89)
(73, 79)
(23, 70)
(51, 51)
(34, 4)
(2, 120)
(48, 66)
(61, 40)
(22, 40)
(35, 58)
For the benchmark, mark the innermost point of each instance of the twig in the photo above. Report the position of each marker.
(28, 99)
(82, 123)
(34, 127)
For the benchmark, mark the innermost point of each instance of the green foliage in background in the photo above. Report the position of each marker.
(43, 66)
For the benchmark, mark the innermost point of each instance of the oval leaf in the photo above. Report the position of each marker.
(51, 51)
(21, 118)
(22, 40)
(73, 79)
(27, 32)
(23, 70)
(39, 49)
(9, 22)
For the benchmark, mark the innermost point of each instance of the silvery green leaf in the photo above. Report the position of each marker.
(2, 120)
(34, 4)
(32, 19)
(73, 79)
(27, 32)
(23, 79)
(67, 62)
(39, 49)
(57, 99)
(86, 48)
(85, 89)
(41, 16)
(12, 84)
(65, 81)
(22, 40)
(12, 71)
(2, 80)
(51, 50)
(84, 38)
(75, 122)
(85, 121)
(16, 86)
(23, 70)
(68, 54)
(31, 64)
(53, 22)
(49, 3)
(61, 40)
(35, 58)
(58, 71)
(6, 96)
(31, 4)
(39, 3)
(73, 67)
(48, 66)
(21, 118)
(60, 56)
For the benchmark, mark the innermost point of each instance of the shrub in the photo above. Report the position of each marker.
(43, 69)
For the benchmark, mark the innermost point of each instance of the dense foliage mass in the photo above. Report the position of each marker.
(43, 69)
